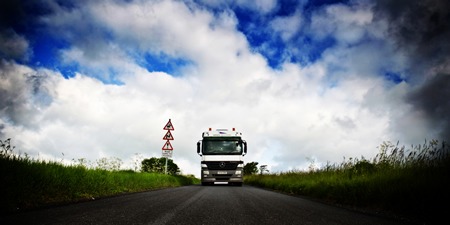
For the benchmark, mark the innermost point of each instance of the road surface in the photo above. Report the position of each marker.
(198, 205)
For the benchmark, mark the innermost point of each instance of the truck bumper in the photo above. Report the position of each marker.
(214, 176)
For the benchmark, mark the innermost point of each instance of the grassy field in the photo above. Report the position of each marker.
(27, 183)
(409, 183)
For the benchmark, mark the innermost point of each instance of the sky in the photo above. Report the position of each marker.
(306, 82)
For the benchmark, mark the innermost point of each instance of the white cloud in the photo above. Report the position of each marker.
(287, 26)
(333, 108)
(172, 27)
(261, 6)
(347, 24)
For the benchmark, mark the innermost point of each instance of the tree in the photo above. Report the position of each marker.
(157, 165)
(251, 168)
(263, 169)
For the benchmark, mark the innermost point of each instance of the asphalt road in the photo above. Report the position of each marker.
(198, 205)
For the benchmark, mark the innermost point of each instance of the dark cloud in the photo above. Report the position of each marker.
(23, 93)
(17, 20)
(421, 31)
(21, 22)
(22, 16)
(2, 127)
(433, 99)
(13, 46)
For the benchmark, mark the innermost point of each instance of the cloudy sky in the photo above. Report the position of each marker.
(303, 80)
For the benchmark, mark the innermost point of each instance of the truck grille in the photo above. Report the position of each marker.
(222, 165)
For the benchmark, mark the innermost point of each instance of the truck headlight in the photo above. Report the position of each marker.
(238, 172)
(206, 172)
(204, 165)
(240, 165)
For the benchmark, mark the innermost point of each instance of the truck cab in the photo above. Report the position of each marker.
(222, 152)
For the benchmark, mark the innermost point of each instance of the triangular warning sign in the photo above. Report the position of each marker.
(167, 146)
(169, 126)
(168, 136)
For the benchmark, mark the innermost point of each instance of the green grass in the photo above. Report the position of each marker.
(26, 183)
(410, 183)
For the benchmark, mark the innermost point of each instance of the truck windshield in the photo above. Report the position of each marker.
(222, 146)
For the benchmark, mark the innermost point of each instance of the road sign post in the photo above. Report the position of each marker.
(167, 148)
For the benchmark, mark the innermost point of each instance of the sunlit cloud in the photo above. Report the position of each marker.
(305, 83)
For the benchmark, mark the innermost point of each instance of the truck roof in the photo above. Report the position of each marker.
(221, 132)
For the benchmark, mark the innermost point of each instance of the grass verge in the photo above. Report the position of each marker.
(26, 183)
(412, 184)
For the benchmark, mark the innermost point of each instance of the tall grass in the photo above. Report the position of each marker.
(410, 182)
(28, 183)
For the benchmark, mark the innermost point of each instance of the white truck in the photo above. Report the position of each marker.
(222, 153)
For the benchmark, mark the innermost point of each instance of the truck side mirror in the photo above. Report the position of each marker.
(245, 147)
(198, 148)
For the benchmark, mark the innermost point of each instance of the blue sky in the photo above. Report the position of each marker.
(305, 81)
